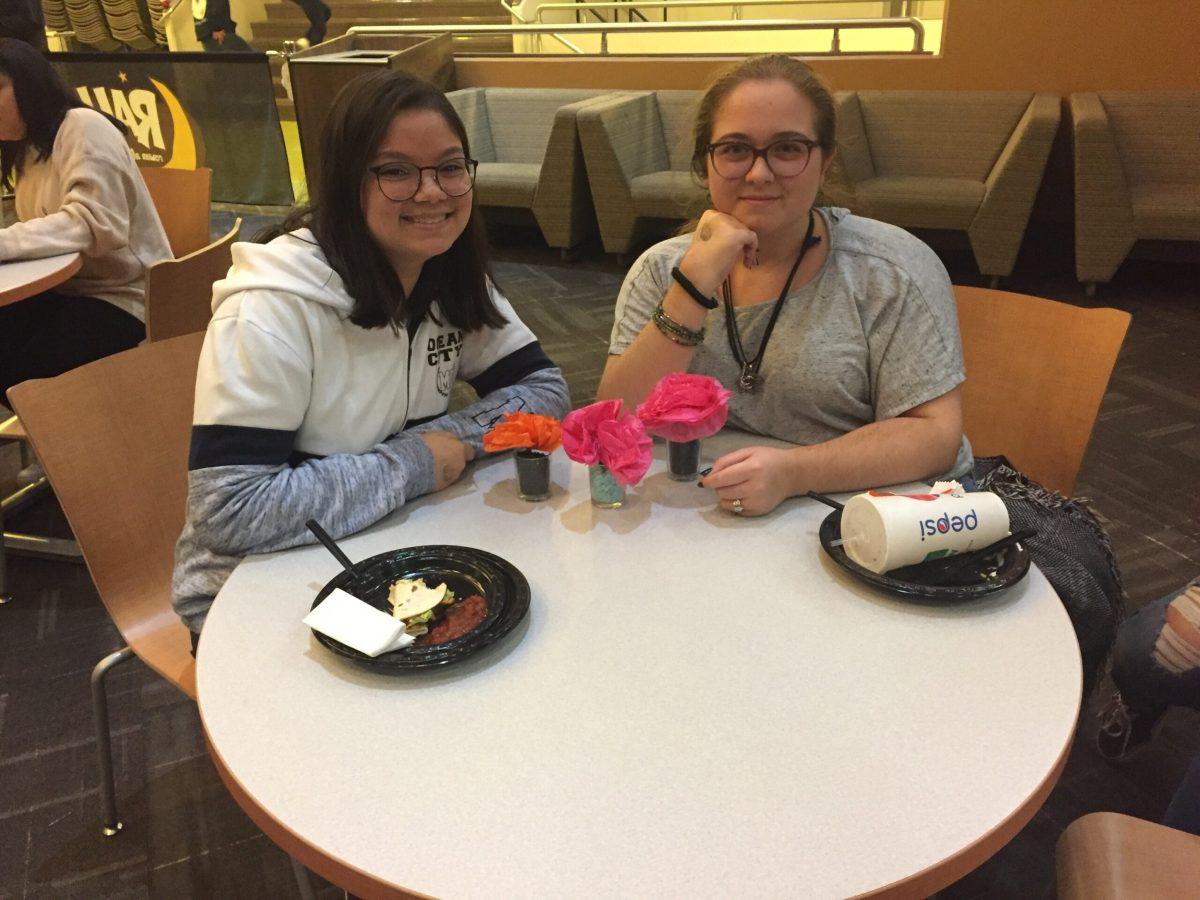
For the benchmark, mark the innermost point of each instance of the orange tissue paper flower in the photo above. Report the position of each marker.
(520, 429)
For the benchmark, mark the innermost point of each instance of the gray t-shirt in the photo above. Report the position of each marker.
(872, 335)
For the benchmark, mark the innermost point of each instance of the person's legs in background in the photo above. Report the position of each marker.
(232, 42)
(318, 14)
(1184, 811)
(1156, 665)
(51, 333)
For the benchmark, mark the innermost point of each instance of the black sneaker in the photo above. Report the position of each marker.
(1123, 731)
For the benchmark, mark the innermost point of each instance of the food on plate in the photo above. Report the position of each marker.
(433, 614)
(457, 620)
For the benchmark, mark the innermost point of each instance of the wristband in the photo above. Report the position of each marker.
(693, 292)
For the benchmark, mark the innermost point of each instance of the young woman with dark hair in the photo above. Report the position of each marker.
(326, 373)
(834, 332)
(77, 190)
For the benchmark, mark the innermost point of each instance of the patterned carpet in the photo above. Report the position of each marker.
(185, 837)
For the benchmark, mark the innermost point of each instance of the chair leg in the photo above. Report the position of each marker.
(994, 282)
(108, 792)
(1089, 288)
(302, 880)
(4, 594)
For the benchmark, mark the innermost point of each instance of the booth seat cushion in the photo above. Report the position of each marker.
(507, 184)
(1167, 211)
(1156, 134)
(920, 202)
(667, 195)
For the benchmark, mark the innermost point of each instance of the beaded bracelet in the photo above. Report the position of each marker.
(680, 334)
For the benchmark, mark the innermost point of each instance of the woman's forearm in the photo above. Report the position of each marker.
(893, 451)
(652, 355)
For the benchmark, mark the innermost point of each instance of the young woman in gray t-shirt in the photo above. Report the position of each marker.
(834, 332)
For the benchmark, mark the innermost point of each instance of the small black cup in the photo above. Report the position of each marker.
(533, 474)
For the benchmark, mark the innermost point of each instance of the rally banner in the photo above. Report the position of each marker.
(187, 110)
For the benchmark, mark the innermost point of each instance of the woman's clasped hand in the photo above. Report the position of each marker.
(835, 333)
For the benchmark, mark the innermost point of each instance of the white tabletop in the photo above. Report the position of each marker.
(696, 704)
(25, 277)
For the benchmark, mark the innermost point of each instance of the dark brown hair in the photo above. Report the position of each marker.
(767, 67)
(43, 101)
(360, 117)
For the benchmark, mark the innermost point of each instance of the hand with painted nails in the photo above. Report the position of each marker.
(760, 477)
(718, 243)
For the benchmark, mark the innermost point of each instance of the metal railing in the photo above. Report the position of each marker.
(633, 6)
(604, 29)
(910, 22)
(524, 21)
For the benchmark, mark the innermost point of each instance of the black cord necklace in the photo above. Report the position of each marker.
(750, 377)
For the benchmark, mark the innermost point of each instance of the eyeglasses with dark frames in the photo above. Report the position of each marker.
(785, 158)
(400, 181)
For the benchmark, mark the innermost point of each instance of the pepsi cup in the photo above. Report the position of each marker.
(882, 530)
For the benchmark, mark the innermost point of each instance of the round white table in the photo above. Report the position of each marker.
(23, 278)
(696, 704)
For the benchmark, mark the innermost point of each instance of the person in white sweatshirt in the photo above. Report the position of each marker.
(325, 377)
(77, 190)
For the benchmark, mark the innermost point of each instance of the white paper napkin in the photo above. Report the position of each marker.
(347, 619)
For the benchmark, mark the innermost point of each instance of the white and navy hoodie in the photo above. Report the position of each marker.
(300, 413)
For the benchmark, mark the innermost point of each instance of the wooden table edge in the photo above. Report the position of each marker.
(949, 870)
(47, 281)
(921, 884)
(332, 869)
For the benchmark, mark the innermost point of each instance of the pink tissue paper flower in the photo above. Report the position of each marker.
(684, 407)
(625, 448)
(601, 433)
(579, 430)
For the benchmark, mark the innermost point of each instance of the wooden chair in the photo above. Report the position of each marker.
(181, 197)
(179, 291)
(1036, 373)
(1106, 856)
(123, 491)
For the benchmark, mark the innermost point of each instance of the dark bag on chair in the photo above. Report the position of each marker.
(1073, 552)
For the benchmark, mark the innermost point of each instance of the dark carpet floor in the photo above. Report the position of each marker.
(185, 837)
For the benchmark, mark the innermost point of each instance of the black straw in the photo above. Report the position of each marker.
(332, 547)
(828, 501)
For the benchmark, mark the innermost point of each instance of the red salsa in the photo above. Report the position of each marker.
(459, 619)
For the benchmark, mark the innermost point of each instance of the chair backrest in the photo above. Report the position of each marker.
(522, 119)
(941, 134)
(1036, 373)
(1156, 135)
(179, 291)
(181, 197)
(113, 438)
(1106, 854)
(677, 111)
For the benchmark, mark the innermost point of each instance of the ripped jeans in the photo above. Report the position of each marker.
(1156, 661)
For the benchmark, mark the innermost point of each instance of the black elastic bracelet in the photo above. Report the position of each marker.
(693, 292)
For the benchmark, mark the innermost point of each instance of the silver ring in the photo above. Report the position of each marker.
(738, 509)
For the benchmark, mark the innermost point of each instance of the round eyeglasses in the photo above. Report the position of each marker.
(785, 158)
(401, 181)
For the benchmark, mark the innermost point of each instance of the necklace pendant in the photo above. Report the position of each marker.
(749, 378)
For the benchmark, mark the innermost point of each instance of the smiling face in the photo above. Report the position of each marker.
(759, 113)
(12, 126)
(409, 232)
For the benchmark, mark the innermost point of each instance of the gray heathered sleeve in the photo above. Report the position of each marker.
(235, 511)
(915, 350)
(259, 509)
(640, 294)
(543, 392)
